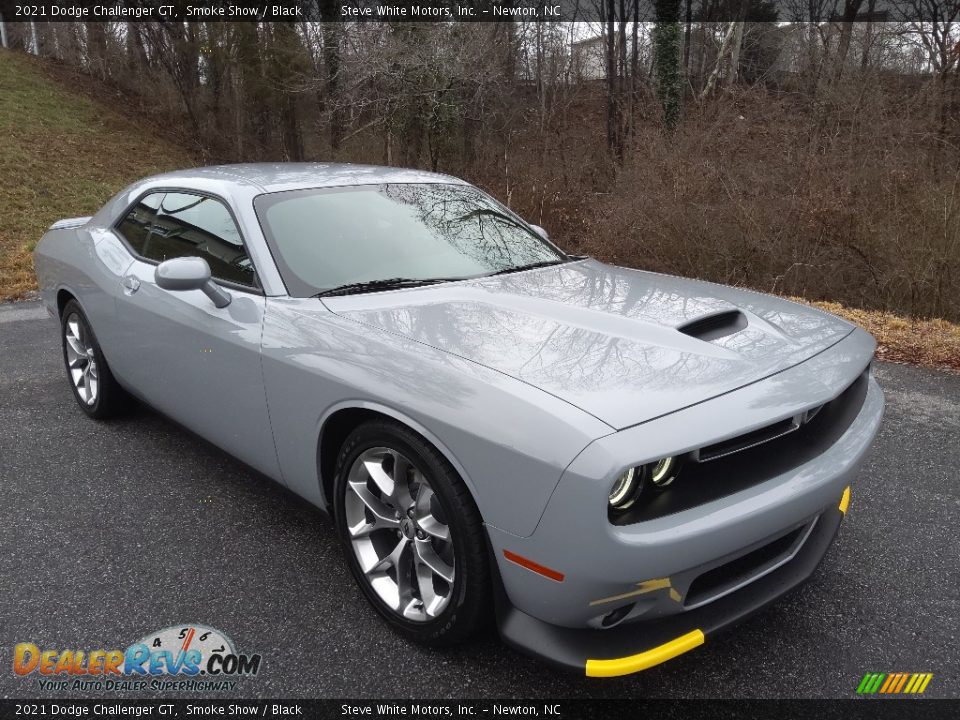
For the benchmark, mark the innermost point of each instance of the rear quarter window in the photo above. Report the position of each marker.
(136, 226)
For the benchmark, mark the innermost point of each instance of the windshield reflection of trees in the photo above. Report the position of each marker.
(471, 223)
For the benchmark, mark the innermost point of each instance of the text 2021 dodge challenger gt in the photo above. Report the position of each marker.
(618, 463)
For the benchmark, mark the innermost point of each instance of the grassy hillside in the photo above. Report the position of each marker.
(61, 155)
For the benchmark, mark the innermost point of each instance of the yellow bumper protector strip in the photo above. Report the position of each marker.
(845, 500)
(641, 661)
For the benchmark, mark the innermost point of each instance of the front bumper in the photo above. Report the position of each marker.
(633, 647)
(678, 577)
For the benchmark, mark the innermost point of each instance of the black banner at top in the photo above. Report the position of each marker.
(822, 11)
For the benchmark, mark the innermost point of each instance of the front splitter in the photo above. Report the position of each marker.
(636, 646)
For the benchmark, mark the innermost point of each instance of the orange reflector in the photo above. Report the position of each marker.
(532, 566)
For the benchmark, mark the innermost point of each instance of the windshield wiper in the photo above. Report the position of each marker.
(531, 266)
(385, 284)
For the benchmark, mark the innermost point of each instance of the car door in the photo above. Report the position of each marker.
(194, 362)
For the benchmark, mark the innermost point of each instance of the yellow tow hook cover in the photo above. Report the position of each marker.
(845, 500)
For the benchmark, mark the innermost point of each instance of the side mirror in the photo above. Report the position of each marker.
(190, 273)
(541, 232)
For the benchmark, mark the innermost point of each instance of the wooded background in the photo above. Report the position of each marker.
(817, 158)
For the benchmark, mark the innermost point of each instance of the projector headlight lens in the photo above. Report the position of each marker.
(625, 490)
(663, 472)
(632, 484)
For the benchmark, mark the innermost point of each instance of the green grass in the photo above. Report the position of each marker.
(62, 154)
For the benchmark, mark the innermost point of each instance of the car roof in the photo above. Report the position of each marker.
(278, 177)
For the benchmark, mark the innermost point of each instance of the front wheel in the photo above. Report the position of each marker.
(412, 534)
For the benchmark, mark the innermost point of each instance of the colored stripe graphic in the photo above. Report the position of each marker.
(892, 678)
(903, 680)
(870, 683)
(894, 683)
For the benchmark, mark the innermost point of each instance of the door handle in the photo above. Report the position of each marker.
(130, 284)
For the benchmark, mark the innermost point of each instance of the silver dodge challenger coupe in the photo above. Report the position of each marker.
(615, 463)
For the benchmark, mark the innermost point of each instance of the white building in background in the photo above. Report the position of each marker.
(589, 58)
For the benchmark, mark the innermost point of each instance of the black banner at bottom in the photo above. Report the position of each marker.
(874, 709)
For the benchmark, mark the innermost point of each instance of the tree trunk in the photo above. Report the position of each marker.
(737, 43)
(331, 34)
(287, 62)
(16, 36)
(634, 66)
(136, 52)
(622, 81)
(850, 10)
(718, 65)
(612, 139)
(510, 55)
(868, 35)
(96, 49)
(813, 48)
(46, 40)
(216, 67)
(667, 59)
(253, 92)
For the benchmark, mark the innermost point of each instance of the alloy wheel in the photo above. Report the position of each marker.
(81, 359)
(399, 534)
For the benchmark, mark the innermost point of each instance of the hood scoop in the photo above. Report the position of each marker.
(715, 325)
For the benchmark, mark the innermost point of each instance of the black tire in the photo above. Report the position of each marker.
(110, 399)
(469, 605)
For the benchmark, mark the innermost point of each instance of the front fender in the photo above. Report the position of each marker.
(509, 440)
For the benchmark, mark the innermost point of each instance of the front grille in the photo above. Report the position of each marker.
(740, 462)
(736, 572)
(748, 440)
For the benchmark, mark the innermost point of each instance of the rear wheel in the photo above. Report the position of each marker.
(96, 391)
(412, 535)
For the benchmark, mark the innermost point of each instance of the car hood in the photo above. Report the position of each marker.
(624, 345)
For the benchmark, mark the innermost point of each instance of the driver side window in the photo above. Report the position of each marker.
(179, 224)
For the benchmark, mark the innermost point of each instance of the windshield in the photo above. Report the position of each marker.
(328, 238)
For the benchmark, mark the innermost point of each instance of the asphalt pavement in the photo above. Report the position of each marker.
(111, 530)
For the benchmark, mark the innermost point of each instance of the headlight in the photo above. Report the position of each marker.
(633, 483)
(625, 489)
(663, 472)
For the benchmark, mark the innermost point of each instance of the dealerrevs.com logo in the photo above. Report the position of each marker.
(188, 657)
